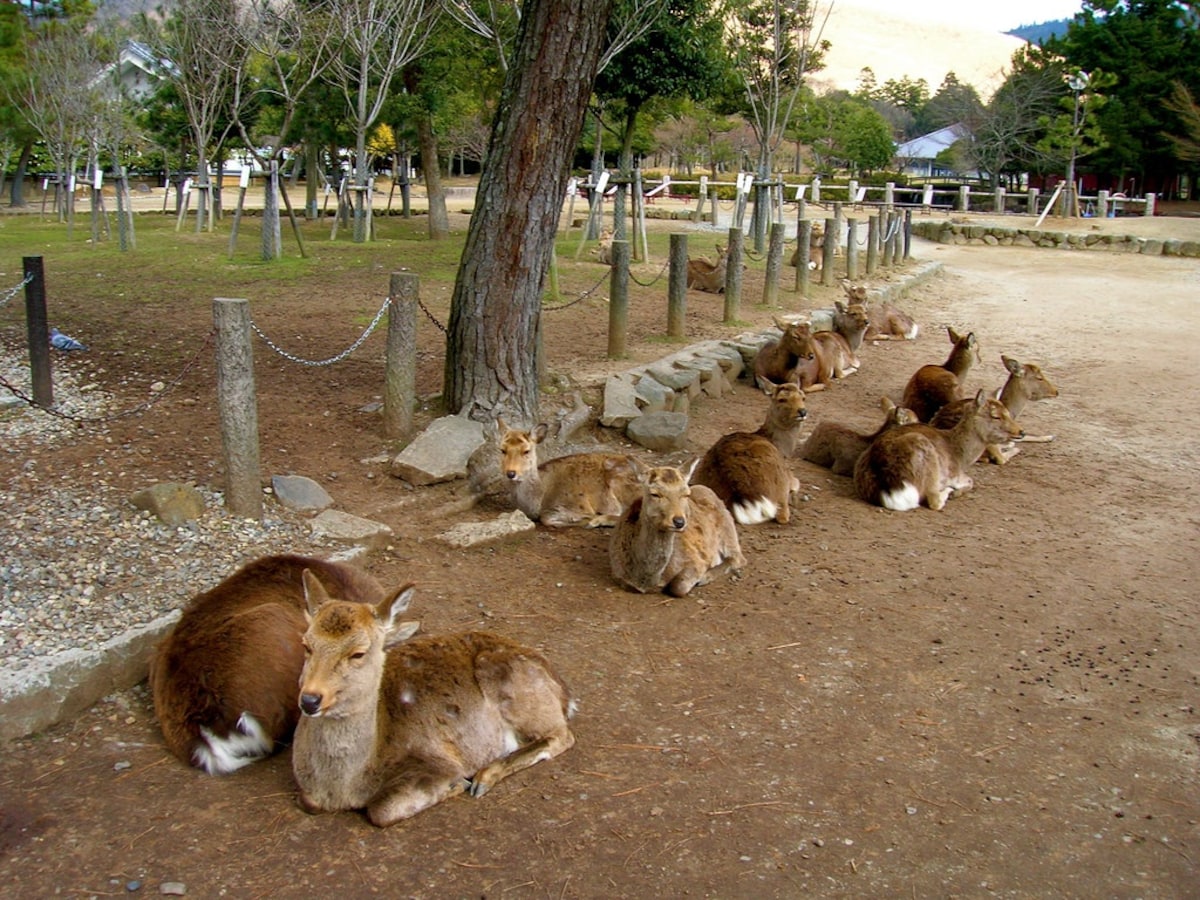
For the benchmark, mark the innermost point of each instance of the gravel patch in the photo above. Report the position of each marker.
(79, 564)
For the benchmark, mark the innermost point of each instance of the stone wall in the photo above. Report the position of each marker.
(951, 232)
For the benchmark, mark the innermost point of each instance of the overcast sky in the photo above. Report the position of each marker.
(1003, 15)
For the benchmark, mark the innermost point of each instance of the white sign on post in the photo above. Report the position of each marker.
(97, 179)
(244, 180)
(602, 182)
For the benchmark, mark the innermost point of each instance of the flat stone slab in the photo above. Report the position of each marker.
(468, 534)
(335, 525)
(300, 493)
(440, 452)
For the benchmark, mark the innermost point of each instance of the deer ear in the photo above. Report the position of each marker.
(402, 631)
(388, 609)
(1011, 364)
(539, 433)
(687, 473)
(314, 592)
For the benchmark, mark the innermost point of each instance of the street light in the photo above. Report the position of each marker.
(1078, 83)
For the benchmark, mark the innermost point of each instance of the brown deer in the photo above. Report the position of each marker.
(603, 248)
(914, 464)
(837, 447)
(674, 537)
(706, 275)
(885, 321)
(748, 471)
(933, 386)
(394, 726)
(224, 679)
(1025, 382)
(816, 249)
(591, 489)
(796, 356)
(850, 321)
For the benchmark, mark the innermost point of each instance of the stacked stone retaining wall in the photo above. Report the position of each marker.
(951, 232)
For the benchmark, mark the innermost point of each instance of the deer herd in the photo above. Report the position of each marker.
(311, 653)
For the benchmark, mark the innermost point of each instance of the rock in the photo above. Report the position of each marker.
(344, 528)
(620, 402)
(661, 431)
(468, 534)
(172, 888)
(653, 395)
(172, 503)
(300, 493)
(440, 452)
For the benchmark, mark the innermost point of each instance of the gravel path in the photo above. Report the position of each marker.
(79, 564)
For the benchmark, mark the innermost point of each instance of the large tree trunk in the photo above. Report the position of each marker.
(491, 341)
(17, 196)
(439, 220)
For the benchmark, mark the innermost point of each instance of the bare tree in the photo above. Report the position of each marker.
(377, 39)
(491, 341)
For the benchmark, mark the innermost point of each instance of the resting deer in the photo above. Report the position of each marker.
(591, 489)
(796, 356)
(1025, 382)
(885, 321)
(748, 471)
(395, 725)
(674, 537)
(705, 275)
(916, 464)
(816, 249)
(850, 321)
(224, 679)
(603, 248)
(837, 447)
(933, 386)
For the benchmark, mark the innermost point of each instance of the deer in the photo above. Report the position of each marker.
(933, 386)
(850, 321)
(674, 537)
(796, 356)
(393, 724)
(914, 464)
(748, 471)
(589, 489)
(603, 248)
(837, 447)
(885, 321)
(706, 275)
(224, 679)
(816, 249)
(1025, 382)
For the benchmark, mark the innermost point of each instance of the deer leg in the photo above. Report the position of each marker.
(1036, 439)
(418, 785)
(1000, 454)
(538, 751)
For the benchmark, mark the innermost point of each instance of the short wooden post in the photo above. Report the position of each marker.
(713, 201)
(733, 276)
(998, 201)
(889, 194)
(872, 244)
(1102, 204)
(803, 253)
(886, 222)
(829, 251)
(964, 198)
(1148, 209)
(852, 248)
(400, 376)
(237, 406)
(907, 233)
(618, 301)
(774, 264)
(677, 285)
(1031, 202)
(38, 330)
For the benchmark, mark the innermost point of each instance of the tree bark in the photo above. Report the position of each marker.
(17, 196)
(439, 220)
(491, 364)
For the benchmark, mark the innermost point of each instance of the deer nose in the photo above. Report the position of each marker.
(310, 704)
(511, 474)
(802, 414)
(679, 522)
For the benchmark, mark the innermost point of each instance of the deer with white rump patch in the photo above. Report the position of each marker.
(224, 679)
(914, 464)
(933, 386)
(394, 726)
(674, 537)
(1025, 382)
(749, 471)
(837, 447)
(591, 489)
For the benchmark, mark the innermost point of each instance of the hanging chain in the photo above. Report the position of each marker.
(425, 309)
(578, 299)
(12, 292)
(333, 359)
(655, 279)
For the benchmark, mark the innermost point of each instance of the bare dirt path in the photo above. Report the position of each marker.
(997, 699)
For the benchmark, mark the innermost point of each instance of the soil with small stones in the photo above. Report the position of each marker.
(995, 699)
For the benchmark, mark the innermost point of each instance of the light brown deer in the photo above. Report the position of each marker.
(796, 356)
(706, 275)
(674, 537)
(591, 489)
(1025, 382)
(885, 321)
(816, 249)
(850, 321)
(842, 359)
(914, 464)
(837, 447)
(603, 248)
(933, 386)
(394, 726)
(748, 471)
(224, 679)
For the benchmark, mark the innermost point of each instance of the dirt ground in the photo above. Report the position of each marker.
(996, 699)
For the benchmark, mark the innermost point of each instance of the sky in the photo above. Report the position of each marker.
(994, 15)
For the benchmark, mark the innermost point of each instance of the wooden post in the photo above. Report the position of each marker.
(677, 278)
(1031, 201)
(964, 198)
(38, 331)
(733, 277)
(885, 226)
(829, 251)
(907, 233)
(803, 254)
(852, 248)
(714, 205)
(400, 377)
(237, 406)
(873, 244)
(774, 263)
(1102, 205)
(618, 299)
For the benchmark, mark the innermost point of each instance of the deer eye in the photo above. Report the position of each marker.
(360, 654)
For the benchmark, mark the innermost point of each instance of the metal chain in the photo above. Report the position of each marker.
(425, 309)
(655, 279)
(333, 359)
(578, 299)
(12, 292)
(141, 407)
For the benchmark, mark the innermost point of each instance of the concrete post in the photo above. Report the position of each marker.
(852, 249)
(400, 375)
(803, 247)
(618, 297)
(237, 405)
(733, 276)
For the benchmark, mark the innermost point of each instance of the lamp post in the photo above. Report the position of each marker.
(1078, 83)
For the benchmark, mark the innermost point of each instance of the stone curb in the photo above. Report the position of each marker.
(998, 235)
